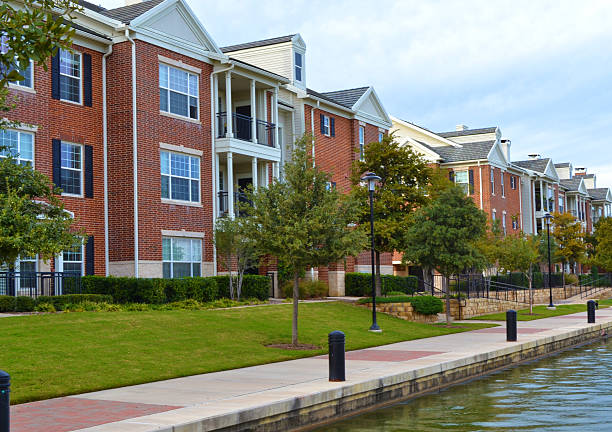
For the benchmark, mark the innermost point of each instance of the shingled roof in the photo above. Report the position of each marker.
(127, 14)
(468, 151)
(259, 43)
(537, 165)
(571, 184)
(599, 194)
(324, 97)
(90, 6)
(467, 132)
(562, 165)
(348, 97)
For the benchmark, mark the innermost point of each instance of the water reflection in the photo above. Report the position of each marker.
(569, 392)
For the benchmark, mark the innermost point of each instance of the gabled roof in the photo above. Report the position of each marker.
(537, 165)
(322, 96)
(348, 97)
(259, 43)
(467, 132)
(467, 152)
(562, 165)
(126, 14)
(573, 184)
(90, 6)
(599, 194)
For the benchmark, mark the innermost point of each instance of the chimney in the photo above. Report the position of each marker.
(505, 145)
(580, 171)
(461, 127)
(534, 156)
(131, 2)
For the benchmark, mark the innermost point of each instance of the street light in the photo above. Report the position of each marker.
(372, 178)
(548, 217)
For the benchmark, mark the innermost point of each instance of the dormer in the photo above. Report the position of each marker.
(285, 56)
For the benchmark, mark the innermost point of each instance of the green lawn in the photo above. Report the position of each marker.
(541, 312)
(69, 353)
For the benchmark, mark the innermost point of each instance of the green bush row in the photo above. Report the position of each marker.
(360, 284)
(426, 305)
(29, 304)
(158, 291)
(308, 289)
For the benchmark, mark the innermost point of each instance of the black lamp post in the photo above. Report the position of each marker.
(372, 178)
(548, 217)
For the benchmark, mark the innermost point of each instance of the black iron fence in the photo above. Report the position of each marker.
(34, 284)
(239, 198)
(242, 126)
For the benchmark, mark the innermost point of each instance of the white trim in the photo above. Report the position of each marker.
(80, 102)
(181, 203)
(180, 117)
(188, 94)
(82, 170)
(179, 64)
(181, 149)
(182, 233)
(21, 126)
(18, 87)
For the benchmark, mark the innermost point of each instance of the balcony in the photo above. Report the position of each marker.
(239, 198)
(243, 129)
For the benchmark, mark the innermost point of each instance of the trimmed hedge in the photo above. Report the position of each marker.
(253, 286)
(360, 284)
(28, 304)
(426, 305)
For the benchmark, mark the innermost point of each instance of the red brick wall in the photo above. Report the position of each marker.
(78, 124)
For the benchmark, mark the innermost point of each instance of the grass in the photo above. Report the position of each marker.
(54, 355)
(542, 312)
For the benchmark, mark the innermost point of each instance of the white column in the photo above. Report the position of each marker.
(275, 113)
(253, 113)
(228, 104)
(533, 208)
(216, 180)
(254, 171)
(267, 174)
(542, 195)
(215, 127)
(230, 184)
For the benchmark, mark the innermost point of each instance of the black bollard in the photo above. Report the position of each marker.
(5, 389)
(511, 325)
(336, 356)
(591, 312)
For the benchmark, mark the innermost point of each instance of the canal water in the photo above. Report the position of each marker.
(568, 392)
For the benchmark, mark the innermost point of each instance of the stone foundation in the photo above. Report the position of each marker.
(403, 311)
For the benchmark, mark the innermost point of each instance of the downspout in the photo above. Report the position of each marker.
(105, 151)
(214, 159)
(480, 182)
(312, 128)
(520, 188)
(134, 149)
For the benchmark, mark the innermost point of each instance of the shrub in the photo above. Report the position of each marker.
(253, 286)
(24, 304)
(426, 305)
(308, 289)
(44, 307)
(394, 294)
(7, 303)
(60, 301)
(571, 279)
(360, 284)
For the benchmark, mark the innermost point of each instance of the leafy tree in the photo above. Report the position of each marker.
(234, 246)
(569, 237)
(444, 236)
(603, 237)
(32, 218)
(403, 187)
(491, 243)
(520, 253)
(303, 222)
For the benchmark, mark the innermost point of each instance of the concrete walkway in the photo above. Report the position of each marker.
(226, 399)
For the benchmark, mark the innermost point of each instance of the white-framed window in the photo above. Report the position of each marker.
(178, 92)
(299, 64)
(503, 186)
(515, 224)
(27, 73)
(504, 222)
(492, 181)
(381, 135)
(462, 179)
(561, 204)
(494, 215)
(71, 178)
(182, 257)
(70, 73)
(18, 144)
(361, 143)
(72, 260)
(326, 126)
(180, 177)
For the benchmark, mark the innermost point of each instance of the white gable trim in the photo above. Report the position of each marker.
(551, 172)
(496, 155)
(426, 132)
(370, 93)
(422, 149)
(299, 42)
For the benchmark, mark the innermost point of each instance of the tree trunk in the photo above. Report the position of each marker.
(239, 284)
(378, 280)
(428, 280)
(530, 277)
(231, 281)
(296, 297)
(447, 291)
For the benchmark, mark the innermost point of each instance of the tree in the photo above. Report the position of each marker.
(304, 222)
(520, 253)
(234, 246)
(444, 236)
(32, 218)
(569, 238)
(491, 243)
(603, 237)
(405, 177)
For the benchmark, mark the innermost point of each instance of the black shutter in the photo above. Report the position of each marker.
(471, 173)
(87, 79)
(89, 256)
(88, 171)
(322, 123)
(332, 126)
(451, 176)
(56, 151)
(55, 76)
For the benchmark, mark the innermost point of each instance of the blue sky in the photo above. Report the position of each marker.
(540, 70)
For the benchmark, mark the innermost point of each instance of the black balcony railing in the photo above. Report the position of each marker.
(239, 198)
(243, 130)
(34, 284)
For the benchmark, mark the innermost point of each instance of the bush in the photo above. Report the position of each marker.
(24, 304)
(426, 305)
(360, 284)
(308, 289)
(44, 307)
(60, 302)
(7, 303)
(253, 286)
(571, 279)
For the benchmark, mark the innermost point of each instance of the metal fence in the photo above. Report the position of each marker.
(34, 284)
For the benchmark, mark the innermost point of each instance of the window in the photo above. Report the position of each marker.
(503, 186)
(182, 257)
(381, 135)
(326, 128)
(298, 66)
(512, 182)
(71, 176)
(492, 181)
(330, 185)
(180, 177)
(178, 92)
(504, 222)
(361, 143)
(25, 73)
(550, 192)
(73, 260)
(70, 76)
(20, 145)
(561, 204)
(462, 179)
(515, 223)
(494, 215)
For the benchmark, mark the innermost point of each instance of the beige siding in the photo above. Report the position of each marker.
(274, 58)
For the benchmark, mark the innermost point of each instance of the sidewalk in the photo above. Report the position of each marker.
(224, 399)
